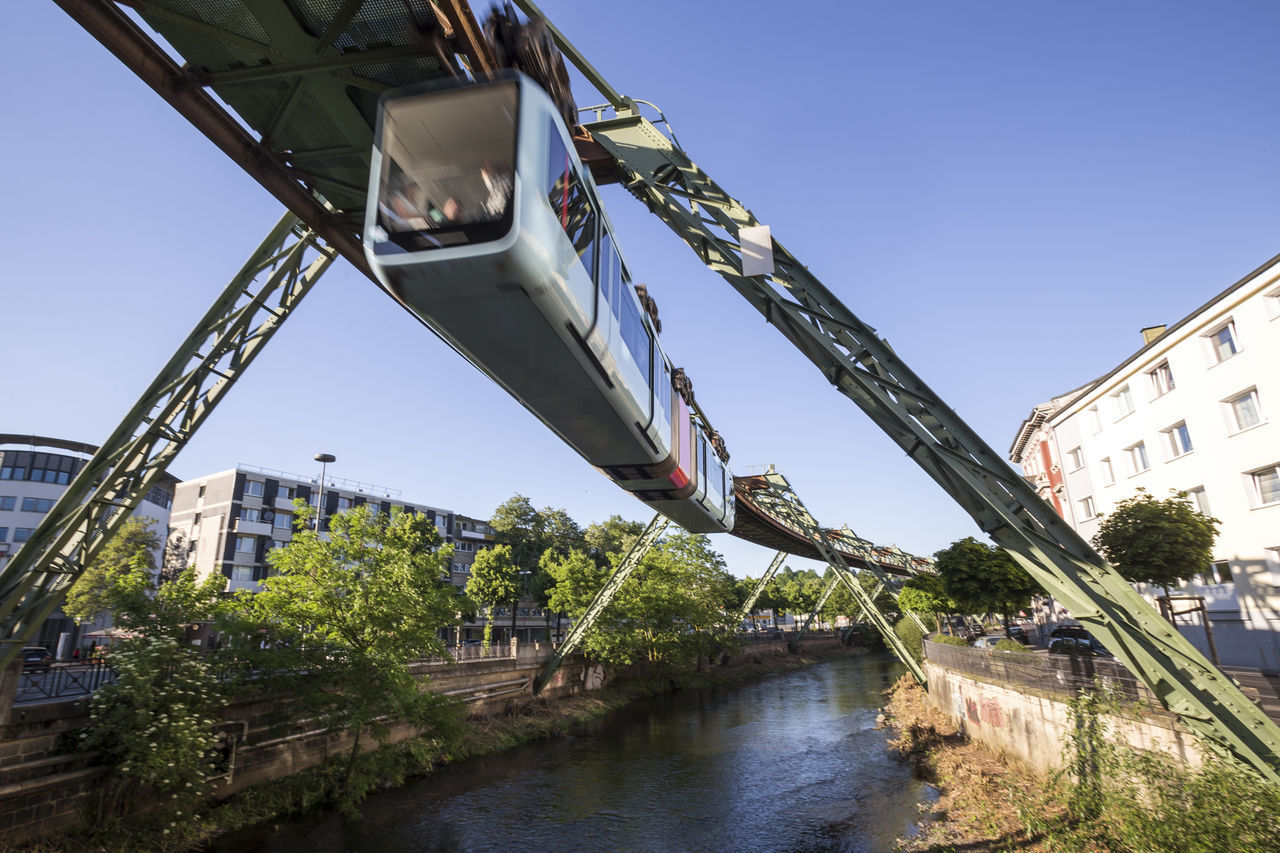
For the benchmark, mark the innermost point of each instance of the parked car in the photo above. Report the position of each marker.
(36, 659)
(1086, 646)
(988, 642)
(1017, 632)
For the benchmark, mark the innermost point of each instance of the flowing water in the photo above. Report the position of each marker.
(792, 762)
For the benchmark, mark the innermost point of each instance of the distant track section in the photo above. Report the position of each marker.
(755, 524)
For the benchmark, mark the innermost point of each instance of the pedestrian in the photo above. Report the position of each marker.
(75, 654)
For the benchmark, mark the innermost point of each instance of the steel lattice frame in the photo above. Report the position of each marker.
(220, 348)
(648, 538)
(817, 608)
(865, 369)
(774, 565)
(779, 500)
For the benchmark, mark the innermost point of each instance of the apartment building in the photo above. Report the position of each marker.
(227, 523)
(1193, 411)
(34, 472)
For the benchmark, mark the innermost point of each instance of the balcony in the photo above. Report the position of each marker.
(284, 504)
(476, 536)
(251, 528)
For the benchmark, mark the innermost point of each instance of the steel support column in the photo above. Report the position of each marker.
(760, 585)
(220, 348)
(580, 626)
(863, 367)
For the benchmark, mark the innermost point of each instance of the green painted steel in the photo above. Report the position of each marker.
(760, 585)
(221, 347)
(863, 367)
(628, 565)
(781, 502)
(817, 608)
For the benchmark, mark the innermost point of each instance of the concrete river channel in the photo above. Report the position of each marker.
(792, 762)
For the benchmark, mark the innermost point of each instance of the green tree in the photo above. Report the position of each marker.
(667, 612)
(120, 581)
(529, 533)
(495, 579)
(604, 539)
(341, 619)
(982, 579)
(924, 594)
(1160, 542)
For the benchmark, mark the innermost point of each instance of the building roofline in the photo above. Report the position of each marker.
(68, 445)
(1137, 355)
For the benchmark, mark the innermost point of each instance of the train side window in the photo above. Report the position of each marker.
(634, 333)
(569, 201)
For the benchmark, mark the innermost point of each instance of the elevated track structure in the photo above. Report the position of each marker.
(302, 77)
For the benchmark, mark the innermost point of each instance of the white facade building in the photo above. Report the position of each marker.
(1194, 410)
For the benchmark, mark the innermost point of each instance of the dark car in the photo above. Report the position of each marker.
(1086, 646)
(1017, 632)
(36, 659)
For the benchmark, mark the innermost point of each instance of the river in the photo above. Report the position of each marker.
(793, 762)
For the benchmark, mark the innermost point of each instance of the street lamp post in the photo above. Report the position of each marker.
(324, 459)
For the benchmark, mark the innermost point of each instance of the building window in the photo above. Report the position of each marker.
(1272, 301)
(22, 534)
(246, 543)
(1161, 379)
(284, 521)
(344, 504)
(253, 488)
(1137, 454)
(1201, 499)
(285, 493)
(241, 573)
(1243, 411)
(1122, 402)
(278, 543)
(1076, 455)
(37, 504)
(200, 493)
(1093, 419)
(1108, 471)
(8, 502)
(250, 513)
(1266, 486)
(1086, 508)
(4, 534)
(1222, 342)
(195, 521)
(1220, 572)
(1177, 440)
(312, 498)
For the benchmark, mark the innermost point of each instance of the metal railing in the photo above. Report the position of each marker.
(63, 681)
(1064, 675)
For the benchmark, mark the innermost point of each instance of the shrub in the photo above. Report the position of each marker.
(912, 637)
(1007, 645)
(947, 640)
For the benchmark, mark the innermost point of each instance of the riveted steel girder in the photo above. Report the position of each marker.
(611, 586)
(759, 588)
(863, 367)
(220, 348)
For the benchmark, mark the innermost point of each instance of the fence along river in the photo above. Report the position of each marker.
(791, 762)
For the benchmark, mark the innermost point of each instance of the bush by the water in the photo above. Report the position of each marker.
(909, 632)
(947, 640)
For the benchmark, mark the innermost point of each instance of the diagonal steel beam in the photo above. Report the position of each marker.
(223, 344)
(759, 588)
(863, 367)
(634, 555)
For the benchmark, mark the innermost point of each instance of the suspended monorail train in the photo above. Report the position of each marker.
(483, 223)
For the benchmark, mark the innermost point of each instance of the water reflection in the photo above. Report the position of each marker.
(792, 762)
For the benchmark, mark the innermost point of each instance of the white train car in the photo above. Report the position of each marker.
(484, 225)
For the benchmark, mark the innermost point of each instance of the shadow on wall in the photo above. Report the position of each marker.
(1245, 621)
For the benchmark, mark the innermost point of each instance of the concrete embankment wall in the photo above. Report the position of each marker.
(45, 785)
(1021, 708)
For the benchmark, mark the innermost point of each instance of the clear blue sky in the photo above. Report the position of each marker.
(1008, 191)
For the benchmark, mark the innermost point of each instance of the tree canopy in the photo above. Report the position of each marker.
(1161, 542)
(925, 594)
(982, 579)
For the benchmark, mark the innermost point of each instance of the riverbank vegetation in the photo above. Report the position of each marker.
(1109, 799)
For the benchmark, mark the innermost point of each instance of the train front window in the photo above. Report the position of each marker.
(448, 167)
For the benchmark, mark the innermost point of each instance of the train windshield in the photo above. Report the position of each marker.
(448, 168)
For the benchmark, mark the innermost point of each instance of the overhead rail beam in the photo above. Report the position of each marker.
(581, 626)
(133, 459)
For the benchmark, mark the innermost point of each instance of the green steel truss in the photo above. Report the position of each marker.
(864, 368)
(223, 344)
(817, 608)
(580, 627)
(779, 501)
(755, 593)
